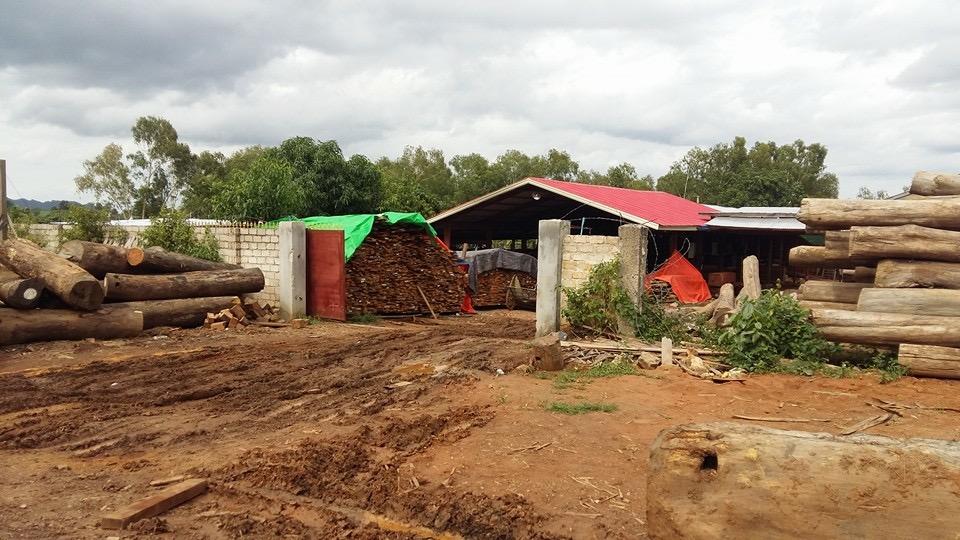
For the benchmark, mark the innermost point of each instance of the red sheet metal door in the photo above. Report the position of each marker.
(326, 275)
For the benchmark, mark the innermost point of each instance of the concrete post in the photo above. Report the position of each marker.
(633, 266)
(549, 261)
(293, 269)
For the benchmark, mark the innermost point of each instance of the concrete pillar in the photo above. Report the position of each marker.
(293, 270)
(633, 266)
(549, 261)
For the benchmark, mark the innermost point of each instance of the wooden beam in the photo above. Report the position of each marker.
(155, 505)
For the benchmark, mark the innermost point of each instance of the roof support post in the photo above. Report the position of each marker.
(632, 243)
(549, 259)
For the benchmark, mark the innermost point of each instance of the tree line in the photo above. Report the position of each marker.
(303, 176)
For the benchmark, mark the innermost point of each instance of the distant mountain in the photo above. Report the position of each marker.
(31, 204)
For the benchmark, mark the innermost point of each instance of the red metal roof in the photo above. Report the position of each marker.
(664, 209)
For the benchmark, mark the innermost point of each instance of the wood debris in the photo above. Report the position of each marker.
(243, 314)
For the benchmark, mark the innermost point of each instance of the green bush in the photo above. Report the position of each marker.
(91, 224)
(597, 304)
(766, 330)
(171, 231)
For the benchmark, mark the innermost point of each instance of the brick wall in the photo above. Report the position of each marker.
(581, 253)
(250, 247)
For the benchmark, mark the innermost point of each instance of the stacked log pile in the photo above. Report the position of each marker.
(92, 290)
(403, 270)
(904, 256)
(492, 286)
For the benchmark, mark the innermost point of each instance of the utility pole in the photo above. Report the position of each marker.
(4, 222)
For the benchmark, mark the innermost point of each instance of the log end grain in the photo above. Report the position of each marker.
(134, 256)
(85, 294)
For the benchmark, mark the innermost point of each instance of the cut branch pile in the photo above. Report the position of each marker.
(33, 280)
(910, 247)
(492, 286)
(393, 264)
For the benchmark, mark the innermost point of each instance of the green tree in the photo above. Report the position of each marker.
(623, 175)
(107, 177)
(171, 231)
(417, 181)
(332, 185)
(263, 190)
(867, 193)
(91, 223)
(763, 175)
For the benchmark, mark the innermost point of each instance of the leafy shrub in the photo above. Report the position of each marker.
(597, 304)
(171, 231)
(768, 329)
(91, 224)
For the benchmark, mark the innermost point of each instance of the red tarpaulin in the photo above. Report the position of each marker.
(686, 281)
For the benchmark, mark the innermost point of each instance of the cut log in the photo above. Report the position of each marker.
(18, 292)
(821, 257)
(158, 260)
(837, 242)
(869, 328)
(122, 287)
(813, 304)
(751, 280)
(728, 480)
(831, 214)
(25, 326)
(864, 274)
(726, 303)
(903, 274)
(930, 361)
(935, 183)
(185, 313)
(905, 242)
(97, 259)
(72, 284)
(831, 291)
(940, 302)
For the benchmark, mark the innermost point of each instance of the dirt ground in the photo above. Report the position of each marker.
(301, 434)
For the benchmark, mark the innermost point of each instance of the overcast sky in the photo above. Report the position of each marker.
(877, 82)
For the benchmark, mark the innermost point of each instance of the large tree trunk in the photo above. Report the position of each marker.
(121, 287)
(727, 480)
(886, 328)
(185, 313)
(831, 291)
(903, 274)
(159, 260)
(821, 257)
(824, 214)
(940, 302)
(18, 292)
(725, 305)
(934, 183)
(930, 361)
(751, 280)
(905, 242)
(98, 259)
(24, 326)
(72, 284)
(837, 242)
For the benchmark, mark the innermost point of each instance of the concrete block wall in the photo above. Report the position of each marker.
(250, 247)
(581, 253)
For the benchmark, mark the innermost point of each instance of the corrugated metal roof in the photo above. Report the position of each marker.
(765, 223)
(664, 209)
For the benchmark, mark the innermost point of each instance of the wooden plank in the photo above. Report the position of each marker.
(155, 505)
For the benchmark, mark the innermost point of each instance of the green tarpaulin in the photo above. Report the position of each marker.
(356, 227)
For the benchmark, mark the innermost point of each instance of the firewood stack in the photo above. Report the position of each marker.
(92, 290)
(492, 286)
(905, 260)
(393, 265)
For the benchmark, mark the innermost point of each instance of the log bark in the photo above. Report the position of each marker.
(905, 242)
(72, 284)
(725, 305)
(935, 183)
(96, 258)
(831, 291)
(161, 261)
(185, 313)
(814, 304)
(18, 292)
(837, 242)
(821, 257)
(904, 274)
(126, 287)
(930, 361)
(864, 274)
(869, 328)
(831, 214)
(25, 326)
(939, 302)
(728, 480)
